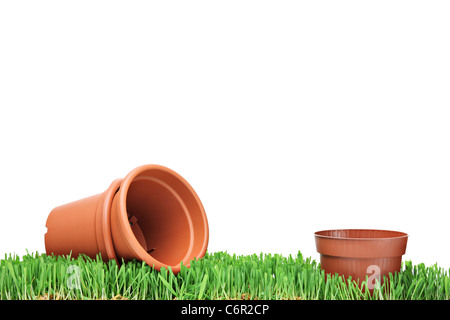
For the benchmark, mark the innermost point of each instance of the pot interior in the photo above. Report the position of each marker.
(159, 220)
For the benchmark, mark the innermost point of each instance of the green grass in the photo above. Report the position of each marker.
(216, 276)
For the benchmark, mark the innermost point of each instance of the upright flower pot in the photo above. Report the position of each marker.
(152, 215)
(361, 252)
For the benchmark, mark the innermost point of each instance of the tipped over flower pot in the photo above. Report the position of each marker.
(361, 252)
(152, 215)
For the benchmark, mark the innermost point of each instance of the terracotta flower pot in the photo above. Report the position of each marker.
(361, 252)
(152, 215)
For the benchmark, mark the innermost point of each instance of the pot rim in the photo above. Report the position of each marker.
(126, 228)
(106, 218)
(400, 235)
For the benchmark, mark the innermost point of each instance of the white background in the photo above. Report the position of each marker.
(287, 117)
